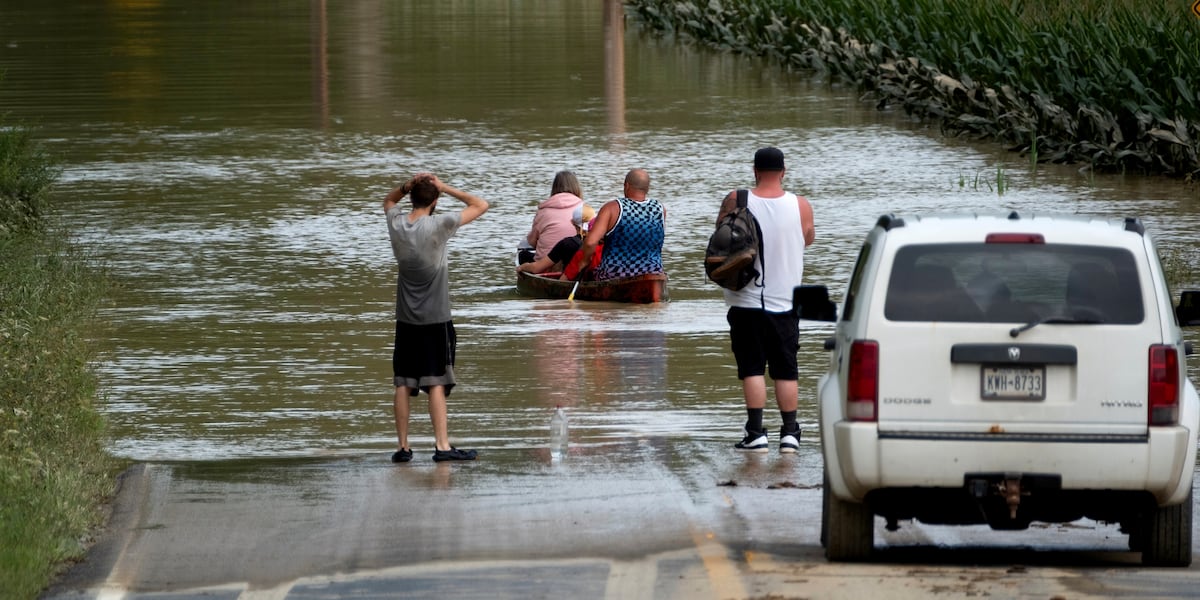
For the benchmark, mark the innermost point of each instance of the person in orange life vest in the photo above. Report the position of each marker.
(572, 270)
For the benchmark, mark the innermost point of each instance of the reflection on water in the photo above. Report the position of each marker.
(254, 313)
(558, 359)
(614, 67)
(319, 44)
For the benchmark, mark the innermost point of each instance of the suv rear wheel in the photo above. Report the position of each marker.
(1168, 535)
(847, 528)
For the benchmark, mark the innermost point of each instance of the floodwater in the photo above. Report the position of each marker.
(227, 161)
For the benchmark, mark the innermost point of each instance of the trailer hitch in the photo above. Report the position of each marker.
(1010, 488)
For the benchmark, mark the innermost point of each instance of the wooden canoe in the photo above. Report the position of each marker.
(640, 289)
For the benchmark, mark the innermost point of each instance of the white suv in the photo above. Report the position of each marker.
(1006, 369)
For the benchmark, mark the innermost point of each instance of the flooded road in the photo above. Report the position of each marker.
(227, 163)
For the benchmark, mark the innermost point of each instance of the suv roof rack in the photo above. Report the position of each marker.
(889, 222)
(1135, 225)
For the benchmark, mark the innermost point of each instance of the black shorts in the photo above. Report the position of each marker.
(761, 339)
(423, 356)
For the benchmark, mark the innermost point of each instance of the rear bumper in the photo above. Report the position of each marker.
(1160, 463)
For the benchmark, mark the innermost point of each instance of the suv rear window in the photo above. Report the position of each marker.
(1014, 283)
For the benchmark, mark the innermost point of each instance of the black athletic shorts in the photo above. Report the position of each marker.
(423, 356)
(761, 339)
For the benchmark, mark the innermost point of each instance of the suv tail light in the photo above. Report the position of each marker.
(862, 398)
(1163, 393)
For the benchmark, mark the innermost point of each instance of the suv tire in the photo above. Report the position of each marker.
(1168, 535)
(825, 510)
(848, 528)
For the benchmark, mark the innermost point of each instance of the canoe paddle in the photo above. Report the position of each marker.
(571, 296)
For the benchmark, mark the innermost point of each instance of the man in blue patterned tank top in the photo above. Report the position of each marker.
(632, 229)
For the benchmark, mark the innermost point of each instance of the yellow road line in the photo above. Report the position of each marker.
(722, 572)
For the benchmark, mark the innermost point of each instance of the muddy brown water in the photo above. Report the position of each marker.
(227, 162)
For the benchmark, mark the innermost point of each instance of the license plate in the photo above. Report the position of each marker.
(1013, 383)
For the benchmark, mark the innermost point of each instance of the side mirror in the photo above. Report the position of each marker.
(811, 302)
(1188, 311)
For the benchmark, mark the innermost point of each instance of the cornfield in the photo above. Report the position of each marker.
(1110, 84)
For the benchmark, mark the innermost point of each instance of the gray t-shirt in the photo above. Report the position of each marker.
(423, 282)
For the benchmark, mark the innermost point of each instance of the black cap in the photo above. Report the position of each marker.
(768, 159)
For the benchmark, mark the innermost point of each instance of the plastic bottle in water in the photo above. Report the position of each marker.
(558, 433)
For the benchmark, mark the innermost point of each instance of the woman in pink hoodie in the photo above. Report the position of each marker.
(552, 222)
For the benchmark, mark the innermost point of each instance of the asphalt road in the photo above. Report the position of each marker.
(653, 518)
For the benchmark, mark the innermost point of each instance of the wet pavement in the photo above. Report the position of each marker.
(654, 518)
(247, 368)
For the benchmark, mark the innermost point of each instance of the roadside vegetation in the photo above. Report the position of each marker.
(55, 476)
(1111, 85)
(997, 181)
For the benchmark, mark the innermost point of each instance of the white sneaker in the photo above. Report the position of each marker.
(755, 441)
(789, 443)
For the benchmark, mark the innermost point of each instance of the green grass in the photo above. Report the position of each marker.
(55, 476)
(26, 174)
(998, 182)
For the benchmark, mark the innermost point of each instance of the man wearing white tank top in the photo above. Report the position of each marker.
(764, 331)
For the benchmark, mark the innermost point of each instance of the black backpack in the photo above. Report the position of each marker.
(729, 258)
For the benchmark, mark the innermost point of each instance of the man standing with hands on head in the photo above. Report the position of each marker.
(425, 343)
(763, 329)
